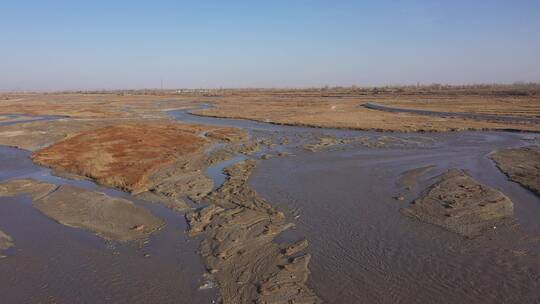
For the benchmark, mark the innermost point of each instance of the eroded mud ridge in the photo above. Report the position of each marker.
(521, 165)
(109, 218)
(238, 248)
(327, 143)
(5, 241)
(460, 204)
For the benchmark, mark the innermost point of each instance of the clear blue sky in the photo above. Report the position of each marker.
(57, 45)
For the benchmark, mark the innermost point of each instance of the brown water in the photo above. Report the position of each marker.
(365, 251)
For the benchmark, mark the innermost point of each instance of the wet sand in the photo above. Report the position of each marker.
(239, 228)
(111, 218)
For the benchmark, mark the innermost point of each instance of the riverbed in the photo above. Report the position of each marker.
(342, 200)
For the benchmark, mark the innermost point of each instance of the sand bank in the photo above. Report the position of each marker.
(107, 217)
(460, 204)
(239, 228)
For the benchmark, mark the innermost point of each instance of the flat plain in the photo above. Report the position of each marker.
(274, 195)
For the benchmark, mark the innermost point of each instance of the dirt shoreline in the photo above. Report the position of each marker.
(239, 228)
(520, 165)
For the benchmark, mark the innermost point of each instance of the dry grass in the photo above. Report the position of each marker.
(320, 107)
(123, 156)
(341, 108)
(89, 105)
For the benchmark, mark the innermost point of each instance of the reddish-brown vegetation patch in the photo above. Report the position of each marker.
(124, 155)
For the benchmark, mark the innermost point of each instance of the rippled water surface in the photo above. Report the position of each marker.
(365, 251)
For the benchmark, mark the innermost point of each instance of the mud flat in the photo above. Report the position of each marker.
(239, 228)
(460, 204)
(521, 165)
(110, 218)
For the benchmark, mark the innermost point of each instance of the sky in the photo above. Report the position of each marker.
(48, 45)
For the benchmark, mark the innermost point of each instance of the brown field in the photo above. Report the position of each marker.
(342, 109)
(89, 106)
(327, 107)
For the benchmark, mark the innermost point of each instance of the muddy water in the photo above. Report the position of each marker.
(365, 251)
(52, 263)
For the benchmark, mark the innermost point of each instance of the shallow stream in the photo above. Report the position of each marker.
(343, 200)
